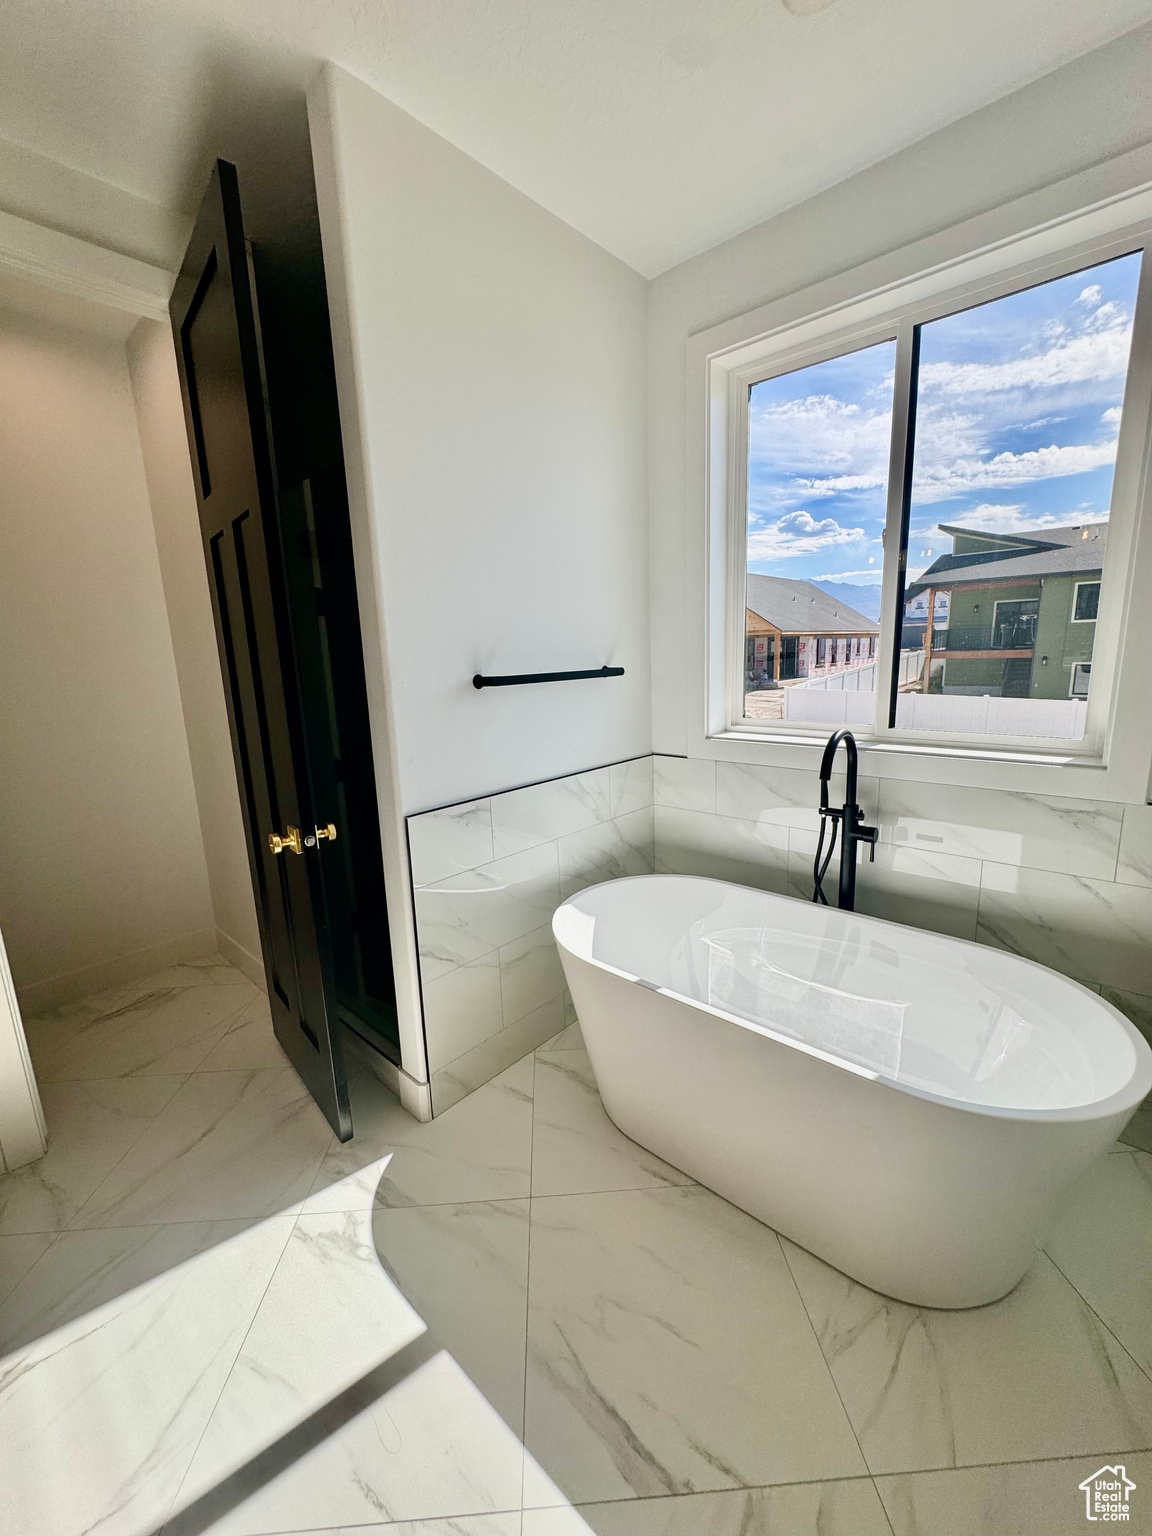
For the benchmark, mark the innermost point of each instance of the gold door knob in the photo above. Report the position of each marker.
(290, 839)
(328, 832)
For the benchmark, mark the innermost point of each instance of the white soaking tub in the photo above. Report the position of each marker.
(906, 1106)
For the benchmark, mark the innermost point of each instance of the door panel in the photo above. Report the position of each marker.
(321, 581)
(320, 577)
(218, 351)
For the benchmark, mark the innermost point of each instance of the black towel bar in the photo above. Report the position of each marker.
(479, 681)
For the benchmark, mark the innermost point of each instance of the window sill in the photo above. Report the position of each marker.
(982, 753)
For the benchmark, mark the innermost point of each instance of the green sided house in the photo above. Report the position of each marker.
(1021, 612)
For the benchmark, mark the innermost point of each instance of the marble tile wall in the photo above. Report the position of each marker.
(1065, 882)
(487, 876)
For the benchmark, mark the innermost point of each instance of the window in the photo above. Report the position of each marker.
(1014, 624)
(948, 476)
(1086, 603)
(839, 409)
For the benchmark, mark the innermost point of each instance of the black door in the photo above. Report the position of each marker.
(278, 555)
(316, 543)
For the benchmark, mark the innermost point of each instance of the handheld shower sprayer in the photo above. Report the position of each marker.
(848, 819)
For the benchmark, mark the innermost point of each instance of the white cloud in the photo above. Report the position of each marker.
(798, 533)
(1094, 356)
(873, 576)
(820, 432)
(997, 517)
(834, 484)
(989, 517)
(972, 415)
(944, 478)
(1108, 317)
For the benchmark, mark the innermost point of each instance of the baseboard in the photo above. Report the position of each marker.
(40, 996)
(415, 1097)
(248, 964)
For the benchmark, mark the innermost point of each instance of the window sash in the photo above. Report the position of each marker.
(1087, 618)
(903, 326)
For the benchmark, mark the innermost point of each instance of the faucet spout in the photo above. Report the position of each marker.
(826, 762)
(849, 819)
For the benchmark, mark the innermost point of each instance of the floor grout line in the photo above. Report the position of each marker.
(228, 1377)
(1027, 1461)
(852, 1477)
(147, 1077)
(824, 1357)
(638, 1499)
(55, 1236)
(708, 1493)
(68, 1227)
(1101, 1320)
(180, 1221)
(224, 1028)
(527, 1299)
(883, 1506)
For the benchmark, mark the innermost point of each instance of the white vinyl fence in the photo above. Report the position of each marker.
(830, 706)
(849, 698)
(844, 698)
(984, 715)
(850, 680)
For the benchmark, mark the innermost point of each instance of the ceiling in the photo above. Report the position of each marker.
(656, 127)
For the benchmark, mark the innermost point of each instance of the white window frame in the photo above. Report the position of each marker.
(1076, 598)
(1113, 760)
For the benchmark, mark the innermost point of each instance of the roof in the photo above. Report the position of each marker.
(800, 608)
(1017, 556)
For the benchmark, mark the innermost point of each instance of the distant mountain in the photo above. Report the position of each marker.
(865, 600)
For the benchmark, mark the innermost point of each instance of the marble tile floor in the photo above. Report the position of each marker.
(509, 1322)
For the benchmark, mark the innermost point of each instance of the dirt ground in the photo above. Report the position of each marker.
(765, 704)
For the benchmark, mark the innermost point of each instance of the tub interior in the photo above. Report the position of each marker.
(963, 1021)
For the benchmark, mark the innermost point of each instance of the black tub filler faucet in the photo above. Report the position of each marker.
(850, 820)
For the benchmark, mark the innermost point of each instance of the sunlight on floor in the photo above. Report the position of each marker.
(117, 1397)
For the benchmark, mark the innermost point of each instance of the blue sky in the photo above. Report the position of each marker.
(1018, 414)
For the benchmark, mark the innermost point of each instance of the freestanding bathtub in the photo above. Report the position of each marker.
(905, 1106)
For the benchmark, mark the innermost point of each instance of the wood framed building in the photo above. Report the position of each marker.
(794, 629)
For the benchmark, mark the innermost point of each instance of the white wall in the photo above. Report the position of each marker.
(1098, 107)
(499, 361)
(23, 1133)
(168, 472)
(102, 872)
(491, 364)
